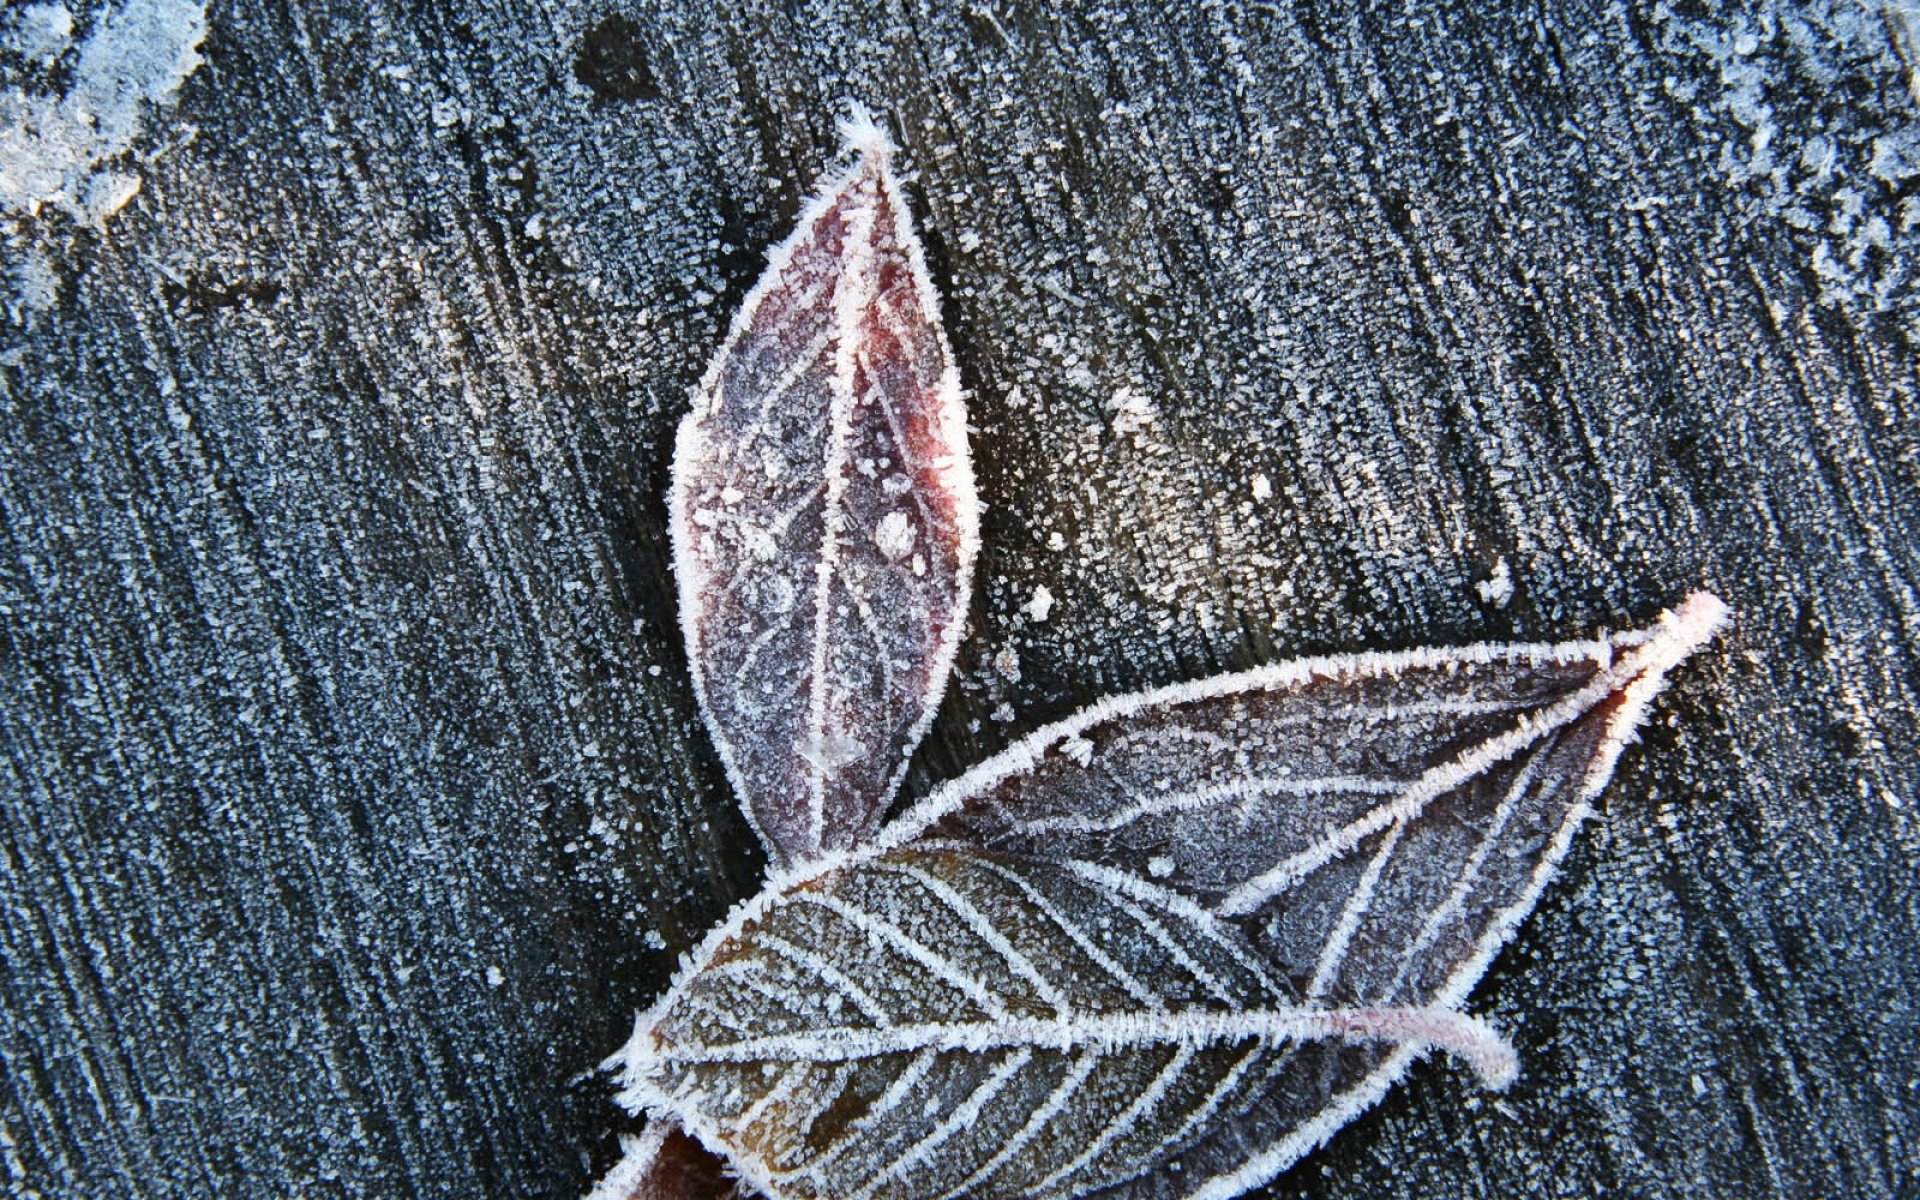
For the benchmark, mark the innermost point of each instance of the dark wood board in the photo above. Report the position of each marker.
(353, 796)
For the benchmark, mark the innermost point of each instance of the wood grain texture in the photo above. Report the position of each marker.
(353, 797)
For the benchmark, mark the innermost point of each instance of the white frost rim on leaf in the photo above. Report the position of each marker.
(636, 1159)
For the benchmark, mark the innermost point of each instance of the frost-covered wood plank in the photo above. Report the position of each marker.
(352, 790)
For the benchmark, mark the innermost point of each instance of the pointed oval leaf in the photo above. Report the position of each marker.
(824, 519)
(932, 1023)
(1236, 788)
(1376, 824)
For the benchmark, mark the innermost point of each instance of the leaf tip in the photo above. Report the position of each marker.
(860, 132)
(1679, 634)
(1497, 1063)
(1700, 616)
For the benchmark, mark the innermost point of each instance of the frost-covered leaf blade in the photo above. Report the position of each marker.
(933, 1023)
(1234, 789)
(1375, 824)
(824, 519)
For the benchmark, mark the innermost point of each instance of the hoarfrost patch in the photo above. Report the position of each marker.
(1041, 606)
(1896, 157)
(42, 32)
(1133, 414)
(1834, 169)
(36, 286)
(1497, 588)
(52, 150)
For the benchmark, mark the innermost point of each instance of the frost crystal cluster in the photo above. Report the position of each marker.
(1158, 950)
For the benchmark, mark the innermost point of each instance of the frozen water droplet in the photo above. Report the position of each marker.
(829, 752)
(893, 537)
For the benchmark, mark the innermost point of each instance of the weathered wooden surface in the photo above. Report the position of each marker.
(353, 796)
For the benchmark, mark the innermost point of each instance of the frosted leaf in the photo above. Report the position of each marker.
(824, 519)
(1157, 951)
(943, 1023)
(1375, 824)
